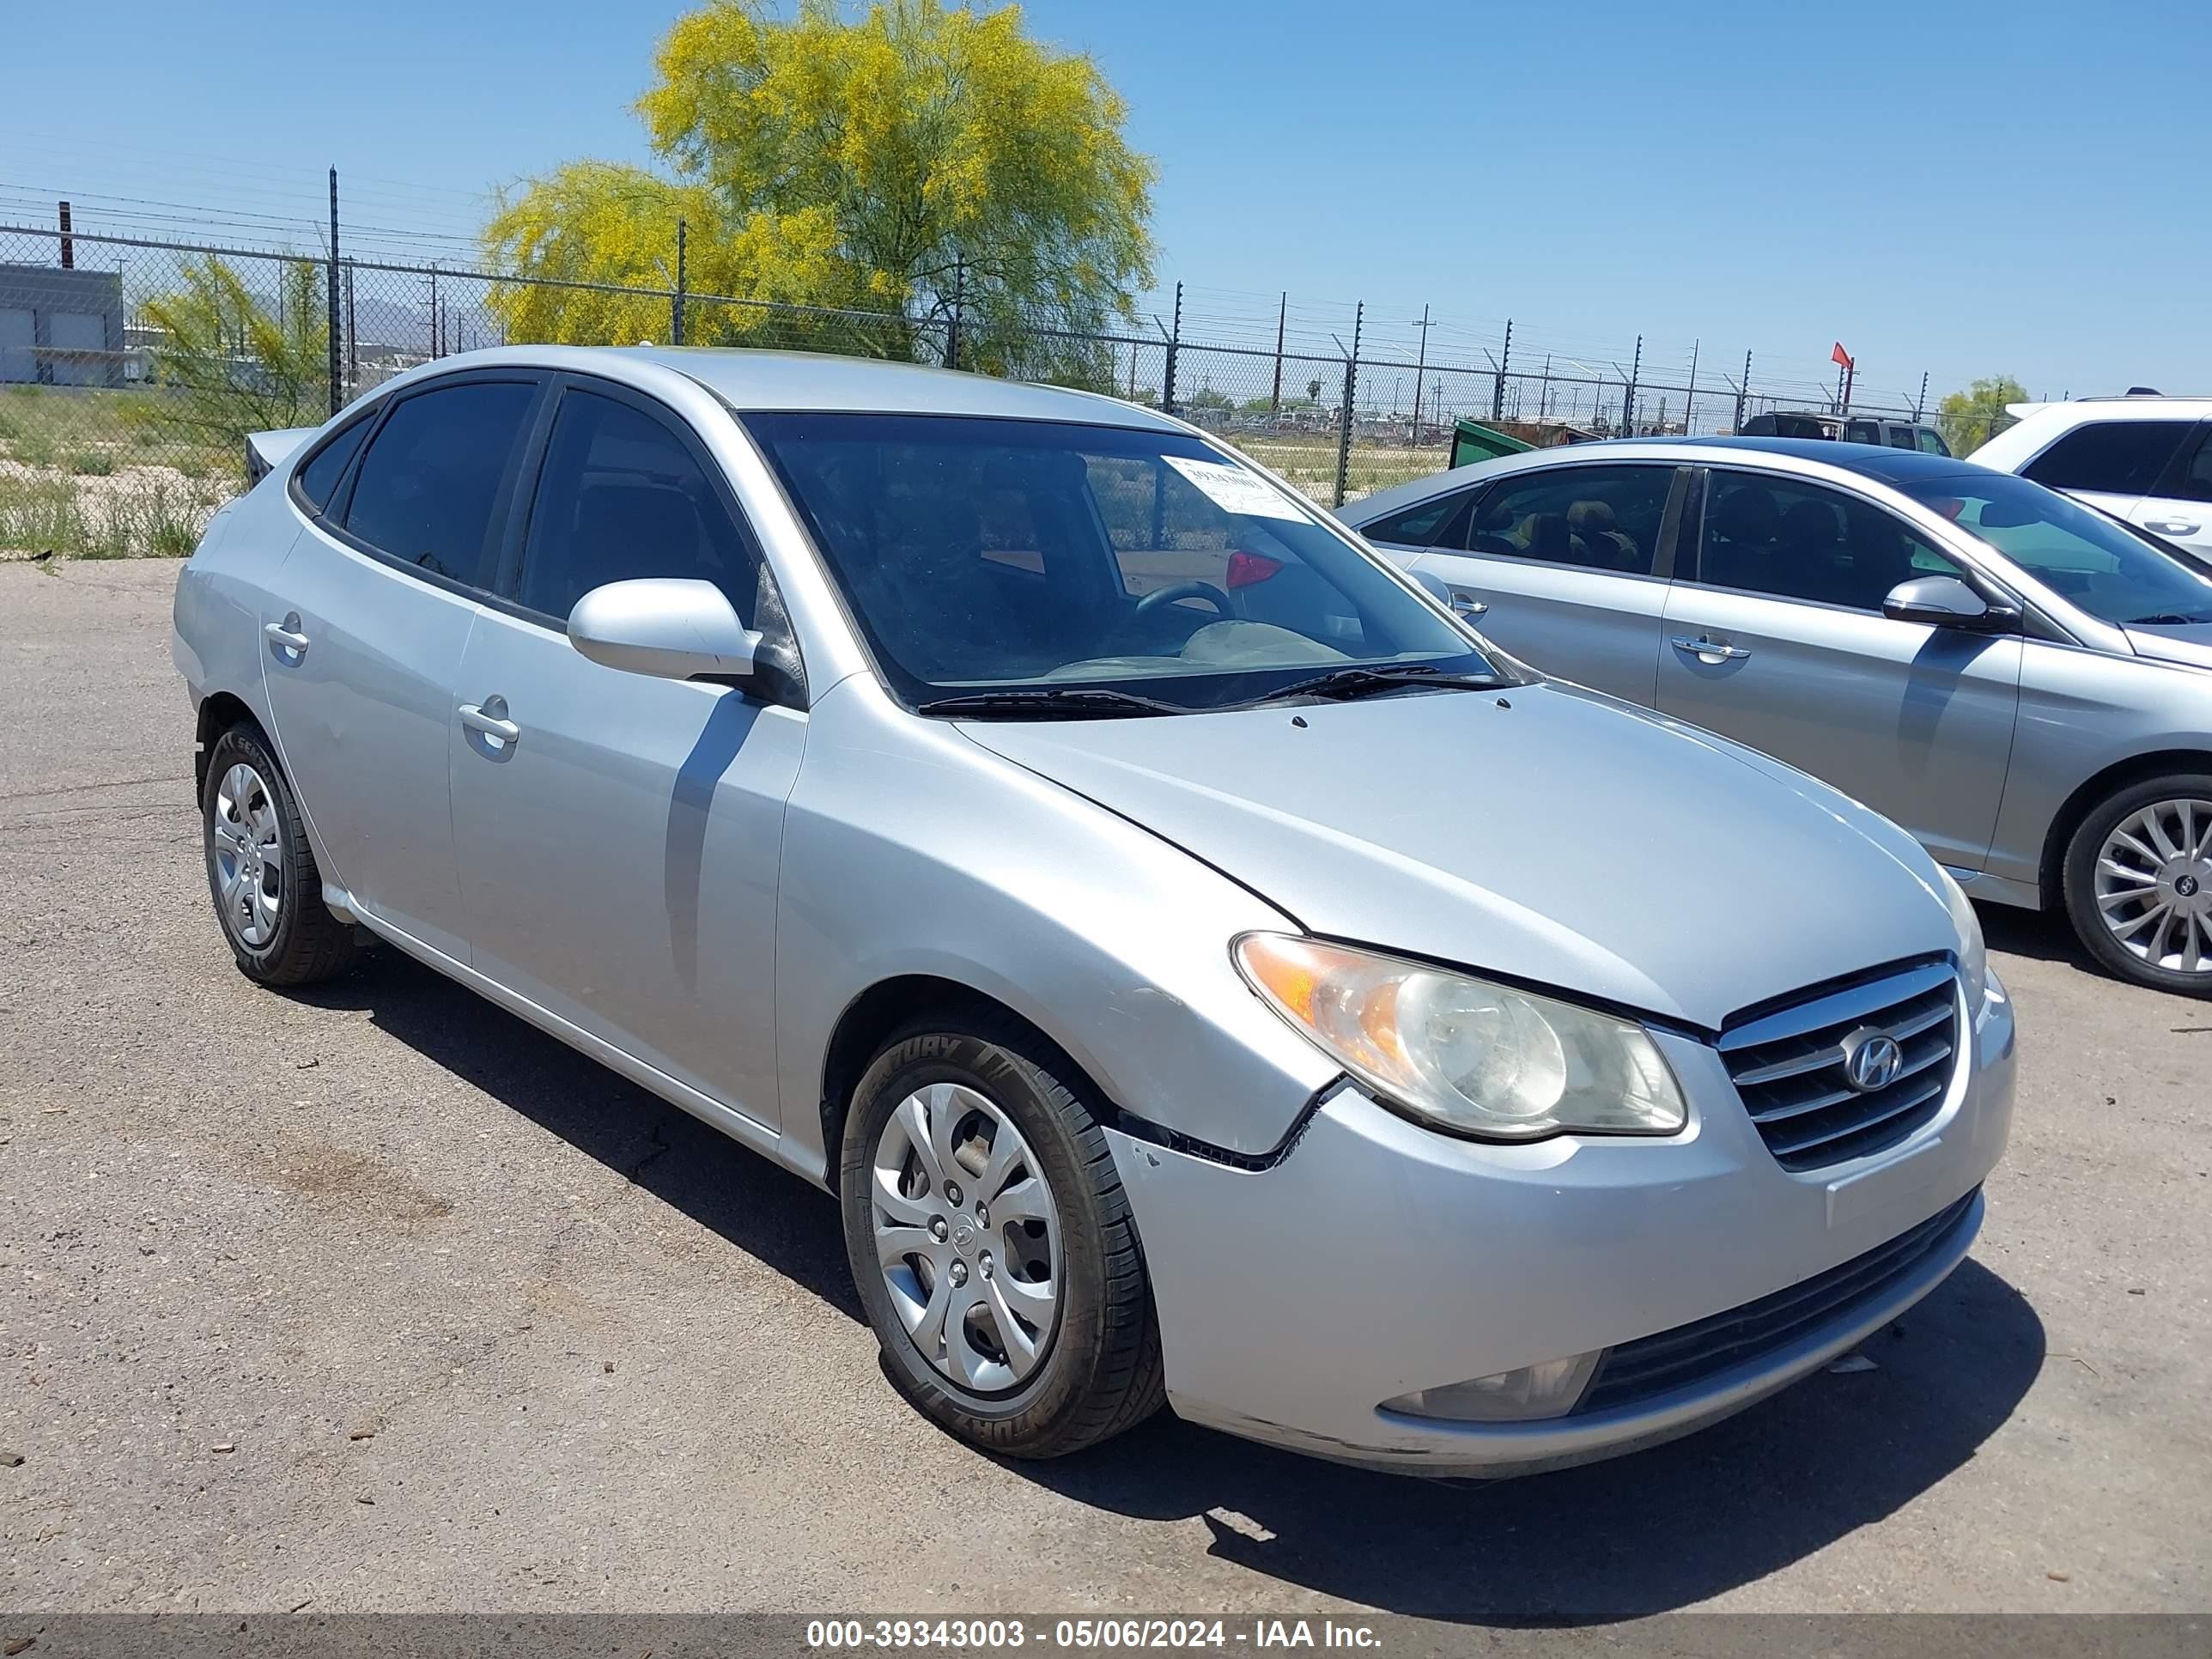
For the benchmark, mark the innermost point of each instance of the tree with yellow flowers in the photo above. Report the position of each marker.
(895, 166)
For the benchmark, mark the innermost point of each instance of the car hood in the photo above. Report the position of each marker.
(1546, 833)
(2181, 642)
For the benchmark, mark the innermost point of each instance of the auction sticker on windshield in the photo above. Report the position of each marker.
(1235, 490)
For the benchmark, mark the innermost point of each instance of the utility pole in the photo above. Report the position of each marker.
(676, 300)
(1421, 367)
(330, 321)
(1282, 316)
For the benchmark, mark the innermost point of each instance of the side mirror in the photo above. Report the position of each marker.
(665, 626)
(1946, 602)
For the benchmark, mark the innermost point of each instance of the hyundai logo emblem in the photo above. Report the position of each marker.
(1872, 1061)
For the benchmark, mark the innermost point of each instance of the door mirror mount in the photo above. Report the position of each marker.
(667, 627)
(1947, 602)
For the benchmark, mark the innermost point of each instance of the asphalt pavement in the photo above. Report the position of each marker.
(375, 1298)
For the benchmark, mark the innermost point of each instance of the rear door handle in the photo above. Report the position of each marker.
(490, 717)
(286, 635)
(2171, 526)
(1710, 650)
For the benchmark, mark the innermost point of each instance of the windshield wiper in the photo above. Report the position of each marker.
(2164, 619)
(1097, 701)
(1345, 683)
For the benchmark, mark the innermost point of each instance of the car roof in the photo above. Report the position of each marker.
(747, 379)
(1872, 460)
(1878, 461)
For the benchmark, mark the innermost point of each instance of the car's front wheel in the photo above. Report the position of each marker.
(992, 1243)
(268, 893)
(2138, 881)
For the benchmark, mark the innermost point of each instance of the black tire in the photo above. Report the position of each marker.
(2081, 875)
(1101, 1372)
(308, 944)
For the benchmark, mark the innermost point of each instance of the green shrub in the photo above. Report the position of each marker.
(92, 463)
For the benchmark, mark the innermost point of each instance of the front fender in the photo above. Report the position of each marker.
(908, 849)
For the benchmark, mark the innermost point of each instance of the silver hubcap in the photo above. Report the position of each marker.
(968, 1236)
(2155, 885)
(248, 866)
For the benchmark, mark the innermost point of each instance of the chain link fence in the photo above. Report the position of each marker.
(131, 368)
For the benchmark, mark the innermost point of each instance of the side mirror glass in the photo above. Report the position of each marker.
(1944, 602)
(670, 628)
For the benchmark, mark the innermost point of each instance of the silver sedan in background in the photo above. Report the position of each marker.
(1200, 965)
(2021, 681)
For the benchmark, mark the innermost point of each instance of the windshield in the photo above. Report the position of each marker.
(2092, 561)
(1000, 560)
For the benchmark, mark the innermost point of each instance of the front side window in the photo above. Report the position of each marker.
(429, 484)
(2093, 561)
(2113, 458)
(1863, 431)
(621, 496)
(1599, 518)
(984, 554)
(1798, 541)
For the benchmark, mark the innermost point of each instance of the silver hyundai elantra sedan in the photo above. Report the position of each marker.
(1202, 968)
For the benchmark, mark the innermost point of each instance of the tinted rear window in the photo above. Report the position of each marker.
(1414, 526)
(321, 475)
(430, 481)
(2118, 457)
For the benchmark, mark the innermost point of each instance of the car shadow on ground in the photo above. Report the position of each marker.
(1659, 1530)
(2043, 935)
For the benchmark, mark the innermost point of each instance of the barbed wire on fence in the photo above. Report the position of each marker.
(132, 365)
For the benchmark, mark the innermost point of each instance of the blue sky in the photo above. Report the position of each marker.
(1951, 185)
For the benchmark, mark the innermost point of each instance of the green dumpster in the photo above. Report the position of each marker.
(1473, 442)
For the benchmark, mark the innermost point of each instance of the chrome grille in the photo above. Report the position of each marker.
(1789, 1065)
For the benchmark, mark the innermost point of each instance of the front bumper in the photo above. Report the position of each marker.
(1377, 1257)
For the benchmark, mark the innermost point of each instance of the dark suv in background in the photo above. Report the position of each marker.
(1846, 429)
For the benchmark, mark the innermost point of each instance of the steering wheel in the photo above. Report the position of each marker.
(1173, 591)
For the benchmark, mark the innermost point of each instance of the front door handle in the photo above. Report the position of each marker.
(2171, 526)
(286, 635)
(490, 717)
(1467, 605)
(1710, 650)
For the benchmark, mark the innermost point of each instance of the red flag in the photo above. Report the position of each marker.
(1840, 356)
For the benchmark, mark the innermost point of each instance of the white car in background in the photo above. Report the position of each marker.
(2142, 457)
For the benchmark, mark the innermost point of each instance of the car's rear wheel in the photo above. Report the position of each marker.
(268, 893)
(2139, 883)
(992, 1243)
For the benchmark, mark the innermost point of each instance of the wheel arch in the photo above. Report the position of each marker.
(218, 712)
(864, 1028)
(2094, 790)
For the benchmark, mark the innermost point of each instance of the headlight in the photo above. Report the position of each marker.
(1467, 1055)
(1973, 954)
